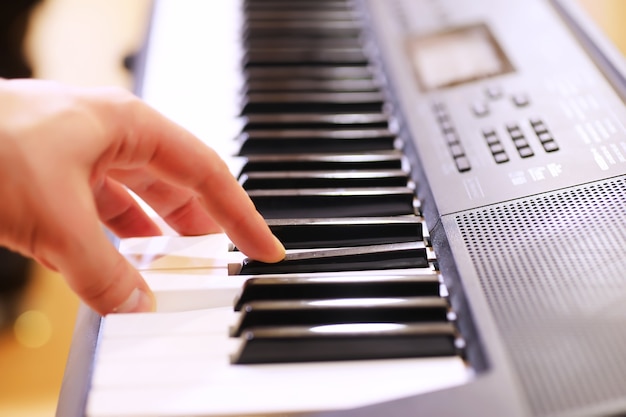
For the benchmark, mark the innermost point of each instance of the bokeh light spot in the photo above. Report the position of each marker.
(32, 329)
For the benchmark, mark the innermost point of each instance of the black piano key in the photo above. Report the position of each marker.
(348, 310)
(296, 141)
(346, 342)
(374, 160)
(304, 56)
(322, 179)
(277, 288)
(293, 102)
(314, 121)
(270, 31)
(297, 5)
(375, 257)
(320, 43)
(300, 43)
(317, 15)
(307, 72)
(256, 29)
(362, 231)
(354, 202)
(255, 86)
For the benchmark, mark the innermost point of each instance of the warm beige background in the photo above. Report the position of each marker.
(610, 15)
(82, 42)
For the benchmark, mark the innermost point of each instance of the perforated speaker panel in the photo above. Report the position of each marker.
(553, 269)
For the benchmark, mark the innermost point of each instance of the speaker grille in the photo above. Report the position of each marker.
(553, 268)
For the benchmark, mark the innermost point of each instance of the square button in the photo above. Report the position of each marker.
(516, 133)
(496, 148)
(544, 137)
(451, 138)
(501, 157)
(539, 127)
(520, 142)
(550, 146)
(525, 152)
(462, 164)
(480, 109)
(493, 92)
(457, 150)
(520, 100)
(492, 139)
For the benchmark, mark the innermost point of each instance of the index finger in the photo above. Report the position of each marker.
(144, 137)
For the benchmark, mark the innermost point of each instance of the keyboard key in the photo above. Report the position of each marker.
(298, 141)
(307, 72)
(304, 56)
(363, 231)
(317, 15)
(302, 5)
(310, 102)
(314, 121)
(307, 162)
(425, 283)
(291, 84)
(355, 202)
(376, 257)
(346, 342)
(323, 179)
(302, 29)
(336, 311)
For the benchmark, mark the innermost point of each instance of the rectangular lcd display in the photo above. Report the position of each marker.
(457, 56)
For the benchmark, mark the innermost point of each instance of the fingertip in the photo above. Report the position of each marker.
(272, 252)
(278, 251)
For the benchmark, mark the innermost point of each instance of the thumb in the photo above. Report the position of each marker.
(102, 277)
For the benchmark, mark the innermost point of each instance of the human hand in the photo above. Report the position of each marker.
(66, 157)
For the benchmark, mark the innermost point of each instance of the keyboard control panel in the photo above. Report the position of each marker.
(495, 114)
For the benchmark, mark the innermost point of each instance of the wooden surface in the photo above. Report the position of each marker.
(83, 42)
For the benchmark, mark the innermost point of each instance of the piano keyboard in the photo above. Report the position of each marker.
(356, 313)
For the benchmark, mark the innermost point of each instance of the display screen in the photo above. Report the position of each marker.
(454, 57)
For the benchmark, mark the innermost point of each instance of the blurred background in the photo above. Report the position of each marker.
(84, 42)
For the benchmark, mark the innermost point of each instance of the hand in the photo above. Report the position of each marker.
(67, 156)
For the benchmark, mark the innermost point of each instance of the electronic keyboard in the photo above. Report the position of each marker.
(449, 182)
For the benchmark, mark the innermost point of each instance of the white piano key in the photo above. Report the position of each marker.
(141, 325)
(193, 289)
(180, 252)
(176, 364)
(200, 346)
(244, 393)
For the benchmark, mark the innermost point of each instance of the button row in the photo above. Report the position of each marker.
(519, 140)
(452, 138)
(495, 146)
(544, 136)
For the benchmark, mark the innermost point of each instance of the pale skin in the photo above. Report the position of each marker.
(68, 156)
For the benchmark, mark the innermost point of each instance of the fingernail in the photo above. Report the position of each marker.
(279, 247)
(138, 301)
